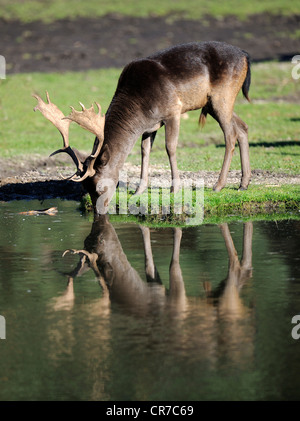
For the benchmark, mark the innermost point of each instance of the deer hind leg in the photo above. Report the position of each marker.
(177, 294)
(246, 262)
(221, 109)
(176, 280)
(242, 134)
(172, 132)
(228, 127)
(147, 142)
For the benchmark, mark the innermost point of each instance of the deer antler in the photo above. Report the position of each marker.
(87, 119)
(92, 258)
(53, 114)
(93, 122)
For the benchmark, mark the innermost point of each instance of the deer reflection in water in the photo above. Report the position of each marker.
(219, 322)
(121, 283)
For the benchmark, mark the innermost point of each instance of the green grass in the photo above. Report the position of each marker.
(49, 11)
(274, 129)
(158, 221)
(256, 199)
(205, 205)
(272, 80)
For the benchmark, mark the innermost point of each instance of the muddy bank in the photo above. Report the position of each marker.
(113, 40)
(41, 178)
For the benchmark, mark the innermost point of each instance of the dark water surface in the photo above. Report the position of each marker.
(199, 313)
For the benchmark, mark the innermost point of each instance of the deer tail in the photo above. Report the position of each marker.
(247, 81)
(202, 118)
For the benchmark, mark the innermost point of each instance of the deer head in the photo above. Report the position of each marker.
(87, 119)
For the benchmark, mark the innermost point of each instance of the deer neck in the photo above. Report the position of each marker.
(123, 126)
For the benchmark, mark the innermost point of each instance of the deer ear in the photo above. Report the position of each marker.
(104, 155)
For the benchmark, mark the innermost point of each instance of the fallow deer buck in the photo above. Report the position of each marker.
(151, 93)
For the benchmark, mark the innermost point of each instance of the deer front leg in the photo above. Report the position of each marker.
(231, 250)
(150, 268)
(147, 142)
(172, 133)
(175, 270)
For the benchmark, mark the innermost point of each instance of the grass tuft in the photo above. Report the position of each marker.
(49, 11)
(256, 203)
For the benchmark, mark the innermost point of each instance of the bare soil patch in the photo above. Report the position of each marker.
(113, 40)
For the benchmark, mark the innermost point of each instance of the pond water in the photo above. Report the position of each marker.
(139, 314)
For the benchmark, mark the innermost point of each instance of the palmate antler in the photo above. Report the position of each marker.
(92, 261)
(87, 119)
(94, 123)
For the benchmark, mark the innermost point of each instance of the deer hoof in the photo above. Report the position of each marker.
(174, 189)
(175, 186)
(217, 188)
(139, 190)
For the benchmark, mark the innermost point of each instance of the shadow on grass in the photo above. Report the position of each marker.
(42, 190)
(279, 143)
